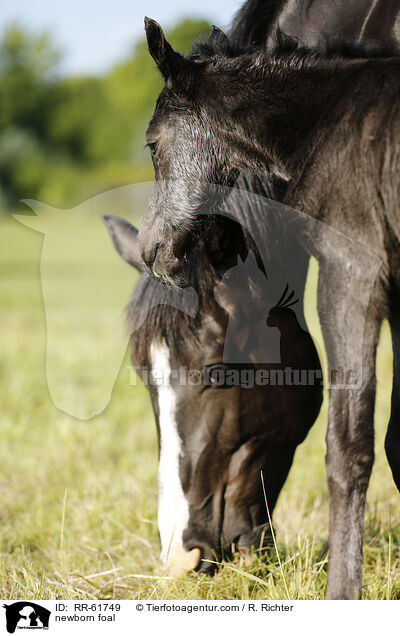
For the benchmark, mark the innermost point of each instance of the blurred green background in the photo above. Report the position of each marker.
(65, 139)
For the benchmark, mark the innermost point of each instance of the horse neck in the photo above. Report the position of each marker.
(287, 106)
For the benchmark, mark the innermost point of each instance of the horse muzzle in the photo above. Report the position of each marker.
(162, 263)
(178, 560)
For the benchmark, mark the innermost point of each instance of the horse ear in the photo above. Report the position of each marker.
(124, 238)
(219, 40)
(239, 260)
(379, 23)
(160, 50)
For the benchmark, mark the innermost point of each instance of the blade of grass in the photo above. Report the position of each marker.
(234, 568)
(274, 539)
(62, 531)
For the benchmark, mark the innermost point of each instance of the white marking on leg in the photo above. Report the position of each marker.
(173, 508)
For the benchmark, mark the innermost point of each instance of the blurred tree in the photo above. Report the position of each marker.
(55, 133)
(84, 122)
(28, 92)
(28, 66)
(134, 86)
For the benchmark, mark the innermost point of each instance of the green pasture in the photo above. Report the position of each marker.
(78, 499)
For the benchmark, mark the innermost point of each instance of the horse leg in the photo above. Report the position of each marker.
(349, 335)
(392, 440)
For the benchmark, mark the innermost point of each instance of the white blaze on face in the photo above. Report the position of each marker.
(173, 508)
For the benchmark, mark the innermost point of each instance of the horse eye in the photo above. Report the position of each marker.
(152, 145)
(215, 376)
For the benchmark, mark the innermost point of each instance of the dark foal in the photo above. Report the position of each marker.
(221, 423)
(323, 127)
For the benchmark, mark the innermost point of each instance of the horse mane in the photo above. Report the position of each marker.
(287, 48)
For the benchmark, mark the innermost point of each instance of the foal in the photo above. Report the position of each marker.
(324, 128)
(220, 422)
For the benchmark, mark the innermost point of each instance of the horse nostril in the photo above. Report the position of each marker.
(149, 256)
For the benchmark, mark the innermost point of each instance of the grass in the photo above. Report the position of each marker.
(78, 498)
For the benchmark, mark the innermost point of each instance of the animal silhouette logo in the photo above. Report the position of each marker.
(26, 615)
(245, 292)
(83, 306)
(296, 345)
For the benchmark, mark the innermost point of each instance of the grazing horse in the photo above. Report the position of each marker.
(221, 423)
(323, 127)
